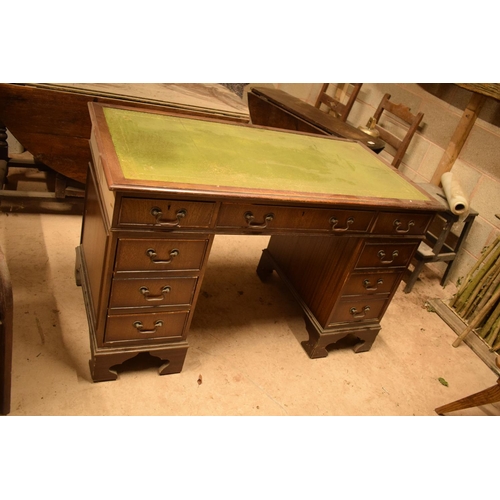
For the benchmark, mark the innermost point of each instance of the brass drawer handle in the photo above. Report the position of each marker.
(359, 315)
(152, 298)
(150, 252)
(370, 288)
(381, 255)
(397, 224)
(139, 327)
(157, 213)
(249, 216)
(334, 222)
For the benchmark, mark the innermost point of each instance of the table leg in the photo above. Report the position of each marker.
(488, 396)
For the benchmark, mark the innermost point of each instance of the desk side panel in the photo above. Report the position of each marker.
(94, 238)
(317, 267)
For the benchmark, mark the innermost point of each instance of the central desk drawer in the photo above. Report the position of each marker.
(152, 292)
(160, 254)
(129, 327)
(381, 254)
(165, 214)
(269, 217)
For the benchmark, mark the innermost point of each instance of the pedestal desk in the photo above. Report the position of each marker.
(343, 225)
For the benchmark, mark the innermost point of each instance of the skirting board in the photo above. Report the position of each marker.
(457, 324)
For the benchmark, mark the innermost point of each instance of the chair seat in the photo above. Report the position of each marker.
(424, 251)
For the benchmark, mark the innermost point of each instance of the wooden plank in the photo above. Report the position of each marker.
(459, 137)
(457, 324)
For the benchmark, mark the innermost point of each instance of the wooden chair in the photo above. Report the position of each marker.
(6, 317)
(334, 104)
(440, 243)
(486, 397)
(410, 121)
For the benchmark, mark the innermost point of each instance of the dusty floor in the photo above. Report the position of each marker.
(244, 344)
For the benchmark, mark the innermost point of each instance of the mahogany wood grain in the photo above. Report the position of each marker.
(311, 265)
(144, 292)
(371, 283)
(142, 254)
(6, 335)
(336, 221)
(140, 328)
(384, 254)
(165, 214)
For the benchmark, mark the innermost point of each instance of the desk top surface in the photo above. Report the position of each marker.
(165, 151)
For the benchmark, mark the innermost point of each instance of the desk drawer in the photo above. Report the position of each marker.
(160, 255)
(371, 283)
(402, 223)
(390, 255)
(269, 217)
(357, 310)
(152, 292)
(165, 214)
(128, 327)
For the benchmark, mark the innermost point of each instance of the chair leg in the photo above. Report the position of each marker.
(488, 396)
(414, 276)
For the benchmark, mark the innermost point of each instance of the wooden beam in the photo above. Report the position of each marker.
(459, 137)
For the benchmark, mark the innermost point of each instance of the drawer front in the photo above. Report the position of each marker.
(165, 214)
(160, 255)
(390, 255)
(144, 292)
(402, 223)
(371, 283)
(268, 217)
(130, 327)
(357, 310)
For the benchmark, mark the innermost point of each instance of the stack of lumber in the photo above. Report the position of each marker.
(477, 300)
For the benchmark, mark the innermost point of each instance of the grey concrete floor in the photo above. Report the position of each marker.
(244, 344)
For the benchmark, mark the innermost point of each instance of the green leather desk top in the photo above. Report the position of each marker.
(170, 149)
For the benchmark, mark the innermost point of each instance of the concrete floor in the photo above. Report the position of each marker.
(244, 344)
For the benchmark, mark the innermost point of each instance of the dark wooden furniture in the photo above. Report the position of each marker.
(276, 108)
(406, 118)
(161, 186)
(6, 319)
(336, 106)
(440, 244)
(52, 121)
(486, 397)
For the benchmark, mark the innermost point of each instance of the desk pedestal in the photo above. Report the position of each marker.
(342, 293)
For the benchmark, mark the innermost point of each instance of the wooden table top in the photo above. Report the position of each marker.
(487, 89)
(169, 152)
(318, 118)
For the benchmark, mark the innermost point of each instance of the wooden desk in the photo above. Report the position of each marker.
(344, 227)
(276, 108)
